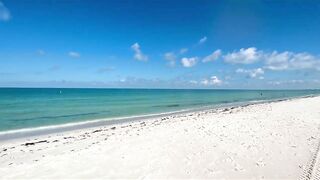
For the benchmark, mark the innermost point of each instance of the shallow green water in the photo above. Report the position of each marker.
(35, 107)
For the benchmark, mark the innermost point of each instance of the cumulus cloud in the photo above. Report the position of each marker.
(252, 73)
(276, 61)
(193, 82)
(292, 82)
(189, 62)
(171, 58)
(213, 56)
(274, 83)
(74, 54)
(4, 13)
(243, 56)
(213, 80)
(291, 61)
(203, 40)
(183, 50)
(138, 55)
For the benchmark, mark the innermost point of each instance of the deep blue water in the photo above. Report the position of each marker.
(34, 107)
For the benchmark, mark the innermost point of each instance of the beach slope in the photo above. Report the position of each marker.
(268, 140)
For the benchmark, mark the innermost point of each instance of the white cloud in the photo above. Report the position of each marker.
(274, 83)
(277, 61)
(315, 81)
(213, 80)
(138, 55)
(193, 82)
(203, 40)
(243, 56)
(4, 13)
(74, 54)
(292, 82)
(171, 58)
(252, 73)
(189, 62)
(296, 81)
(205, 82)
(183, 50)
(291, 61)
(214, 56)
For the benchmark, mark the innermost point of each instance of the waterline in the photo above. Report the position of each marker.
(45, 130)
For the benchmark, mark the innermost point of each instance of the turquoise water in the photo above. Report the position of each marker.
(34, 107)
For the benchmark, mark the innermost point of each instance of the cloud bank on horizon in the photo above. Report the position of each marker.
(230, 48)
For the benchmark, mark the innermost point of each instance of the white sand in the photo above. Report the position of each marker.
(270, 140)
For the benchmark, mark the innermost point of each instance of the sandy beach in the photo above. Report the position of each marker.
(275, 140)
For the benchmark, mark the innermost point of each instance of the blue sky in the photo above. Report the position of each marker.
(160, 44)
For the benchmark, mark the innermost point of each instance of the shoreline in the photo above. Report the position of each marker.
(273, 140)
(95, 123)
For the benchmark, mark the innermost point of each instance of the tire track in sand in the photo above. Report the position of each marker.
(312, 171)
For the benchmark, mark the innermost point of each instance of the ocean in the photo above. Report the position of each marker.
(25, 108)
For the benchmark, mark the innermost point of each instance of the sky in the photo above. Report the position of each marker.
(252, 44)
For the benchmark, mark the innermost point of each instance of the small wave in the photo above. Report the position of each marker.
(25, 132)
(168, 105)
(61, 116)
(173, 105)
